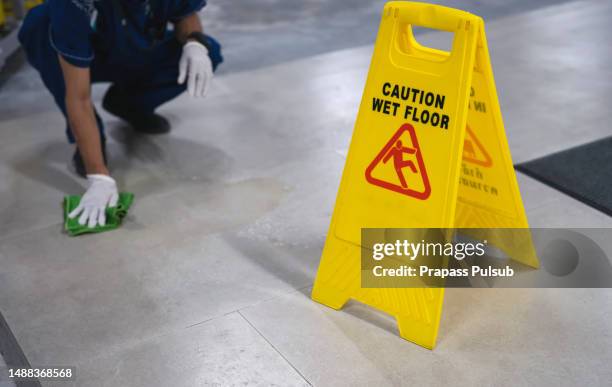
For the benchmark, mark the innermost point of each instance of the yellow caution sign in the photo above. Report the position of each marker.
(2, 16)
(29, 4)
(428, 150)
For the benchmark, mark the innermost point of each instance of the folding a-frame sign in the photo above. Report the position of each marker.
(428, 150)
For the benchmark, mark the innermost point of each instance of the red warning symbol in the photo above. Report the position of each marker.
(399, 165)
(473, 151)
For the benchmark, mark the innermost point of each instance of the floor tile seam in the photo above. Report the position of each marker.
(275, 348)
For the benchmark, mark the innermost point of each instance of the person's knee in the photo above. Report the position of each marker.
(215, 52)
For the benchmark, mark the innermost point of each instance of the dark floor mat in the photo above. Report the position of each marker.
(583, 172)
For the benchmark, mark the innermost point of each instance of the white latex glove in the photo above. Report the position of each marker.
(196, 67)
(102, 193)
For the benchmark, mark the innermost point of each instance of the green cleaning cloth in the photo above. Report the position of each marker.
(114, 215)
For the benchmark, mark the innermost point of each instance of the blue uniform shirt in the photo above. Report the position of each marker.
(81, 29)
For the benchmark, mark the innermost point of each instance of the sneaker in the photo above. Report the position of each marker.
(148, 123)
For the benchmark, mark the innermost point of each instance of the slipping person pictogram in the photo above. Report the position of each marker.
(397, 152)
(473, 150)
(414, 182)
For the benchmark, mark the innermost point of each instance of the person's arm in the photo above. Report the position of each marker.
(195, 65)
(102, 191)
(81, 117)
(186, 26)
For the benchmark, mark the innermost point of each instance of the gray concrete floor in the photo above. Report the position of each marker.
(208, 280)
(259, 33)
(4, 376)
